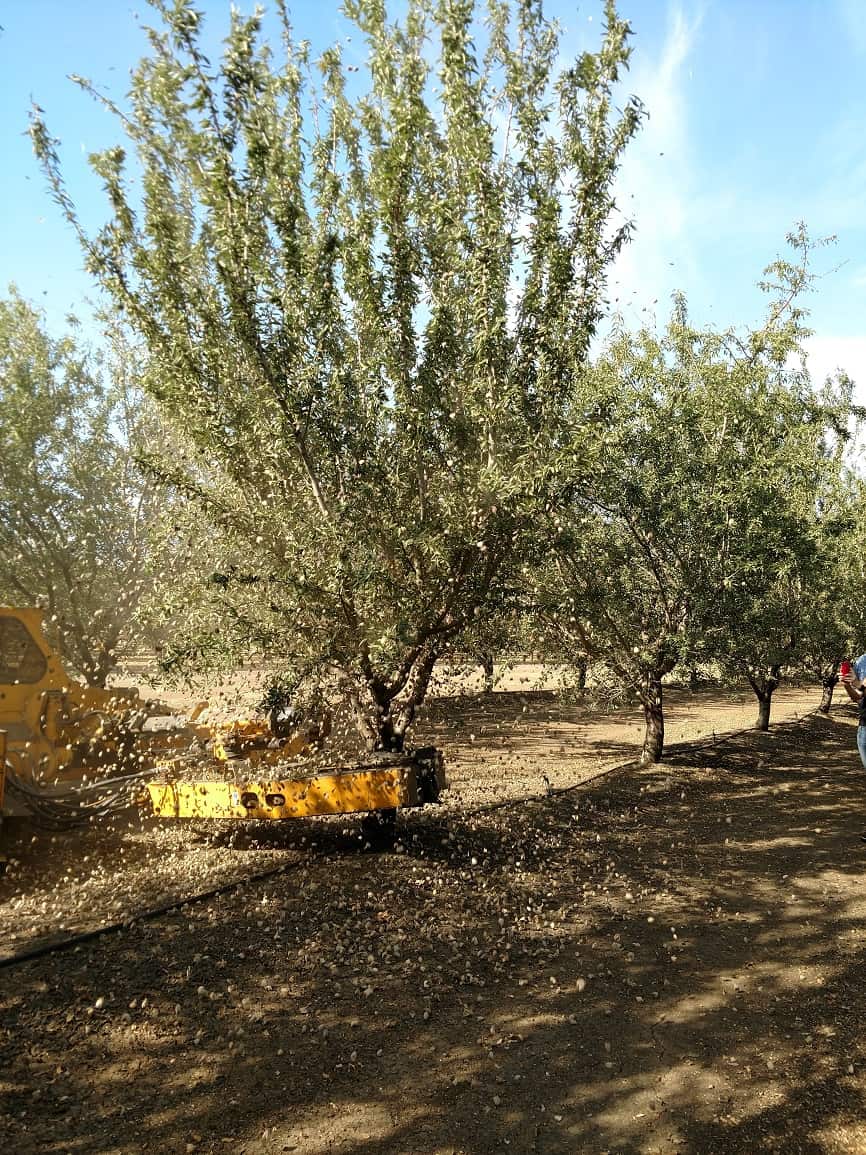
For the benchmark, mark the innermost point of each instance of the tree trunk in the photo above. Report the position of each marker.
(653, 711)
(98, 671)
(694, 680)
(827, 688)
(486, 661)
(415, 693)
(371, 710)
(581, 666)
(388, 739)
(382, 714)
(765, 702)
(764, 688)
(91, 659)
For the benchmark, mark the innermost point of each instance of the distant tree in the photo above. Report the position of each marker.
(74, 511)
(500, 637)
(774, 609)
(630, 574)
(698, 540)
(831, 618)
(367, 310)
(847, 576)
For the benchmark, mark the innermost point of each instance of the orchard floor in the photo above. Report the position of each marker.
(659, 960)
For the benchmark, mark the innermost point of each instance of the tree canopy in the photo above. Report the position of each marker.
(701, 540)
(74, 511)
(367, 310)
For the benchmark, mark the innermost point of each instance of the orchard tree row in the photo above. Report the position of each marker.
(354, 363)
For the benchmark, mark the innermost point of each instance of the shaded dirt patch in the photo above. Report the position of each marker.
(661, 960)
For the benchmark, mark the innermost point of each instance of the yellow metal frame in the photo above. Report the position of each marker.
(48, 713)
(2, 768)
(59, 729)
(56, 726)
(340, 792)
(253, 741)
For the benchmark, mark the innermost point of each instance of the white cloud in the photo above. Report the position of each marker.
(826, 355)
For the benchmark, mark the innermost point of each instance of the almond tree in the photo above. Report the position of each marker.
(367, 300)
(775, 609)
(700, 539)
(74, 510)
(827, 619)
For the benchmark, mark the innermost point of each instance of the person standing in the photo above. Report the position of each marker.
(852, 675)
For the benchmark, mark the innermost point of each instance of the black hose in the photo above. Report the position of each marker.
(75, 804)
(141, 916)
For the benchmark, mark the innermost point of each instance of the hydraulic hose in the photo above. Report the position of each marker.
(75, 804)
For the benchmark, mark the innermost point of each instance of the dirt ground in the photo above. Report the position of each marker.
(658, 960)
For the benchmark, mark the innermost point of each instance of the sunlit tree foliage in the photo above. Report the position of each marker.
(74, 510)
(700, 541)
(368, 300)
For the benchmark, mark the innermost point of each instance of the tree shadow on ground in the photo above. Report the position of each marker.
(666, 960)
(544, 738)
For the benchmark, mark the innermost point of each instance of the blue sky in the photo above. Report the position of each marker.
(757, 117)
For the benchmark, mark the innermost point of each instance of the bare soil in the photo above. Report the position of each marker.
(570, 954)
